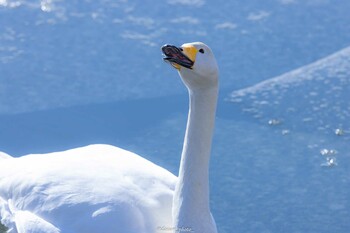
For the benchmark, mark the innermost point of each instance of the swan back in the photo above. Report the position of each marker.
(97, 188)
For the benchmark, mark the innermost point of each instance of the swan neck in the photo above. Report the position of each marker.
(191, 197)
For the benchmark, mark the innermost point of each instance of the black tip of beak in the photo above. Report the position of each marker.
(175, 55)
(169, 50)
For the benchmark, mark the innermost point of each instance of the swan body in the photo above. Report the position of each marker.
(3, 155)
(97, 188)
(102, 188)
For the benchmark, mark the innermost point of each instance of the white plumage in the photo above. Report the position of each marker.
(105, 189)
(97, 188)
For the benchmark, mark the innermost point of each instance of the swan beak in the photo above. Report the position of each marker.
(180, 57)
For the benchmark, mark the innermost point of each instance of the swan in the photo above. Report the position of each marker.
(106, 189)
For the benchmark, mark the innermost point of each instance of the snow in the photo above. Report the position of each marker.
(226, 25)
(196, 3)
(257, 16)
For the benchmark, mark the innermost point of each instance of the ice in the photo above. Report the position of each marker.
(312, 98)
(74, 73)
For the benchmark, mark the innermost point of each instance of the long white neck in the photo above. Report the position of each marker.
(191, 198)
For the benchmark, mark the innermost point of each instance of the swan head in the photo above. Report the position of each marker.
(195, 63)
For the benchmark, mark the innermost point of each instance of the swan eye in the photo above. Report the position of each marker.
(201, 50)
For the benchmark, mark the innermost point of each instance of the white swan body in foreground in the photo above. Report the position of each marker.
(4, 155)
(105, 189)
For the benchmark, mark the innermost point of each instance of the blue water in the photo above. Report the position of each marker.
(79, 72)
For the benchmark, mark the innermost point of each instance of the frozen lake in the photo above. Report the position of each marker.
(74, 73)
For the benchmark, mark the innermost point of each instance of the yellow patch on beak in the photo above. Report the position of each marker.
(176, 66)
(190, 51)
